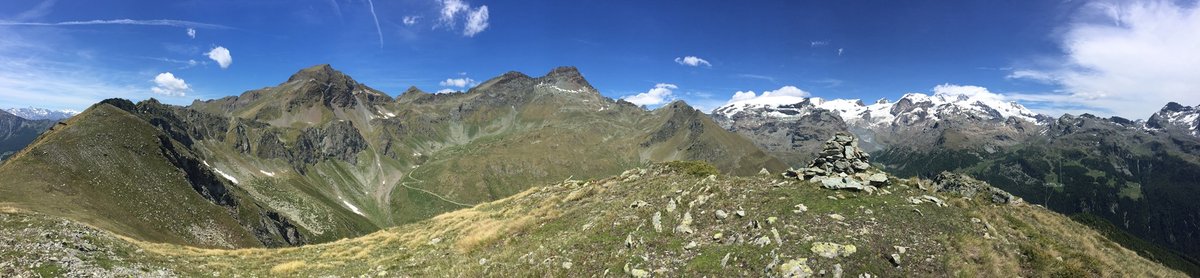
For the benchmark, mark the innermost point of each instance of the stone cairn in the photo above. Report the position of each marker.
(841, 165)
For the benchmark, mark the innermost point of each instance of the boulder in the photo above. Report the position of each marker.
(796, 268)
(841, 183)
(878, 179)
(832, 250)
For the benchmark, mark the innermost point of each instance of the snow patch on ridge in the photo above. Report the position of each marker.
(560, 89)
(352, 207)
(223, 174)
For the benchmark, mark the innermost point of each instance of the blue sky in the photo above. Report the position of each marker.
(1124, 58)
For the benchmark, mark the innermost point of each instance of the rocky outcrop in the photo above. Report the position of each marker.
(969, 187)
(841, 165)
(1175, 116)
(339, 140)
(270, 227)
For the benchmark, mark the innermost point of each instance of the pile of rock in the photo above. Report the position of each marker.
(841, 165)
(969, 187)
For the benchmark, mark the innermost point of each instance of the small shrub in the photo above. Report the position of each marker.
(692, 167)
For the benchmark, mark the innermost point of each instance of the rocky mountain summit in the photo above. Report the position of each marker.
(1174, 116)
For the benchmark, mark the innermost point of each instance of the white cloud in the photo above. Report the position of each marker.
(973, 92)
(783, 94)
(1034, 75)
(661, 93)
(477, 21)
(840, 50)
(692, 61)
(191, 32)
(221, 55)
(411, 20)
(167, 84)
(818, 43)
(457, 82)
(1125, 58)
(450, 8)
(445, 91)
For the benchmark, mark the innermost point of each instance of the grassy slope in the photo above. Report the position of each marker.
(105, 168)
(439, 152)
(1151, 202)
(580, 228)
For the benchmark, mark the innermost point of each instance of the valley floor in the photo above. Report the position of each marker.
(656, 221)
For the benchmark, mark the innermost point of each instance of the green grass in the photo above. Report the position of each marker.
(693, 167)
(585, 224)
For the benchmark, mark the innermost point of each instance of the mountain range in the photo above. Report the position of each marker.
(1138, 176)
(537, 176)
(322, 157)
(32, 113)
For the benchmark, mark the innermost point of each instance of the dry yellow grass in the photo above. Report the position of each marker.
(288, 267)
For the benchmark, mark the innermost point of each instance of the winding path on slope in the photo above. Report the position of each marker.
(409, 176)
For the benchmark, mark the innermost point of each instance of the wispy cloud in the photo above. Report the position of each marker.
(1129, 58)
(476, 19)
(756, 76)
(818, 43)
(840, 50)
(191, 32)
(184, 63)
(692, 61)
(152, 22)
(378, 30)
(411, 20)
(40, 83)
(829, 82)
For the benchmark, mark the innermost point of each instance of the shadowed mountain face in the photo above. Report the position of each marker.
(17, 132)
(322, 157)
(1140, 177)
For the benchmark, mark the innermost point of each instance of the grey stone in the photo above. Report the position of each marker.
(878, 179)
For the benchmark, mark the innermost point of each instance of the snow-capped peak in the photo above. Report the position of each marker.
(947, 100)
(32, 113)
(1177, 115)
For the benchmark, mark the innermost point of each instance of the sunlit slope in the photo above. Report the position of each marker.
(111, 169)
(661, 221)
